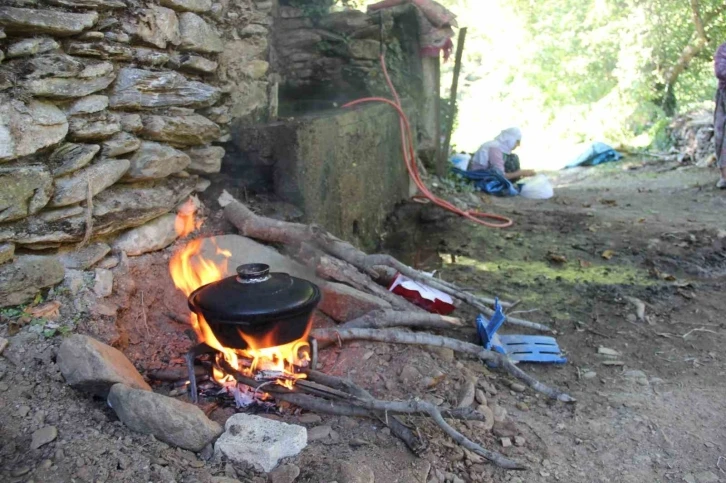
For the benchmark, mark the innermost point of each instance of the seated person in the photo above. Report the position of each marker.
(497, 154)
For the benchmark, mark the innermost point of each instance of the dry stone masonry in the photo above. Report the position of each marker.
(121, 102)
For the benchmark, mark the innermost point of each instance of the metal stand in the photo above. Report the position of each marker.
(193, 353)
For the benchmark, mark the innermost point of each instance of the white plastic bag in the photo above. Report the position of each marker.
(539, 188)
(461, 161)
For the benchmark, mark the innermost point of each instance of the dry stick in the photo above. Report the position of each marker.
(382, 319)
(337, 270)
(415, 443)
(252, 225)
(393, 407)
(89, 215)
(399, 337)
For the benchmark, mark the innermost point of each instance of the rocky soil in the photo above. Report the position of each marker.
(648, 382)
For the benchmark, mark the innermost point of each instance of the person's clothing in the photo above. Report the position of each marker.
(490, 155)
(719, 116)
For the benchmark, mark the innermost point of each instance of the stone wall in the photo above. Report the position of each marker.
(110, 111)
(327, 60)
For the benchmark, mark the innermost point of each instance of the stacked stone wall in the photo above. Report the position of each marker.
(111, 114)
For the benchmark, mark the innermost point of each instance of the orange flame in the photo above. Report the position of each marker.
(185, 222)
(189, 271)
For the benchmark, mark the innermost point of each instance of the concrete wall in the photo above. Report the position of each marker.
(344, 168)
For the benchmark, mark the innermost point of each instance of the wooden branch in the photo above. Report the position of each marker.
(694, 46)
(385, 407)
(415, 443)
(698, 21)
(382, 319)
(399, 337)
(337, 270)
(444, 155)
(277, 231)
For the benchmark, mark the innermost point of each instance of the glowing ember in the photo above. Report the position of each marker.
(190, 270)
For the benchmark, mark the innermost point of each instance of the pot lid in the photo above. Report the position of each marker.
(255, 294)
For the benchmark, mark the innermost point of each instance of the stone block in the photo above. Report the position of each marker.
(259, 442)
(35, 21)
(154, 160)
(170, 89)
(28, 127)
(175, 422)
(21, 280)
(150, 237)
(25, 190)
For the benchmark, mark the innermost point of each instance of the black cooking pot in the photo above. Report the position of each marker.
(272, 308)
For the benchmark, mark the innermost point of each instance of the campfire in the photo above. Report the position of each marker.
(254, 329)
(255, 337)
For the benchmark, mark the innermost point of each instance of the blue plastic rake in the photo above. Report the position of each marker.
(519, 348)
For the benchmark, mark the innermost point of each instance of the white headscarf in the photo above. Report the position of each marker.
(505, 141)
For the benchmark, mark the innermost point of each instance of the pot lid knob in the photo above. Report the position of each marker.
(253, 273)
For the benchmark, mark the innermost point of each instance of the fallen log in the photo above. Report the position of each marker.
(342, 403)
(297, 235)
(410, 338)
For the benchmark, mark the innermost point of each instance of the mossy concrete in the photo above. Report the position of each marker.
(343, 168)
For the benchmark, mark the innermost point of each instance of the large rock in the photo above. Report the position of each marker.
(87, 105)
(172, 421)
(196, 64)
(119, 144)
(93, 127)
(154, 235)
(70, 157)
(28, 127)
(83, 258)
(92, 366)
(119, 207)
(34, 46)
(180, 130)
(207, 159)
(74, 188)
(260, 442)
(344, 303)
(21, 280)
(198, 6)
(159, 26)
(139, 89)
(67, 88)
(93, 4)
(101, 50)
(197, 35)
(25, 190)
(55, 22)
(153, 161)
(339, 301)
(130, 122)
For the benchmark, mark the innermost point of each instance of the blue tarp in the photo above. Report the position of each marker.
(489, 181)
(598, 153)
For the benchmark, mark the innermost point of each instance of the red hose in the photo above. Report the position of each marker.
(409, 157)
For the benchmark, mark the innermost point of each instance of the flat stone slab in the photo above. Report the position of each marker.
(92, 366)
(259, 441)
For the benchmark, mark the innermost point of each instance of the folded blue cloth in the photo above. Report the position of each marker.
(598, 153)
(489, 181)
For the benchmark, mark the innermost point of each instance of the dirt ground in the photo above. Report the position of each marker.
(627, 230)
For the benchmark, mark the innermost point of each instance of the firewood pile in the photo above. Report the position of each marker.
(693, 138)
(407, 324)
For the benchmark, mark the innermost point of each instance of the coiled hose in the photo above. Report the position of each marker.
(409, 157)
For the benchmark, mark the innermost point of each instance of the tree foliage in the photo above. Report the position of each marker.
(614, 68)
